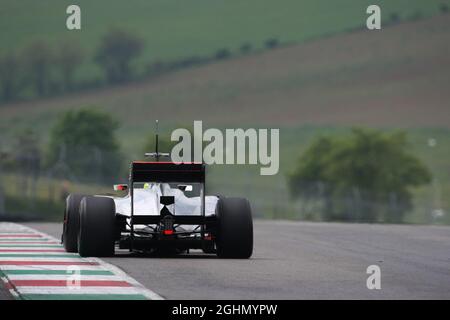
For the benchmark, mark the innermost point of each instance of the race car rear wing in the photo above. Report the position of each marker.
(142, 171)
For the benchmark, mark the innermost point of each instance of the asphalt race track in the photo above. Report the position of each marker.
(298, 260)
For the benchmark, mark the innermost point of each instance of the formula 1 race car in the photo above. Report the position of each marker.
(165, 210)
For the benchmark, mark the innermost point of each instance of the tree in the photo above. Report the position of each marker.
(9, 76)
(369, 172)
(115, 54)
(39, 59)
(245, 48)
(272, 43)
(85, 141)
(222, 54)
(70, 56)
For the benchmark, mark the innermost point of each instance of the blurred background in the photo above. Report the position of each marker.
(364, 116)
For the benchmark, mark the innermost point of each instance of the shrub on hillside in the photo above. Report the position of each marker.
(116, 53)
(83, 142)
(245, 48)
(366, 176)
(222, 54)
(272, 43)
(70, 56)
(39, 61)
(10, 82)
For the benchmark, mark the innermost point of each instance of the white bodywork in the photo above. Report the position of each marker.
(146, 202)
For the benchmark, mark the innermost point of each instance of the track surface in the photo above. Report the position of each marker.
(297, 260)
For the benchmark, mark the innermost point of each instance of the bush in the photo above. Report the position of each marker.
(366, 176)
(245, 48)
(444, 8)
(39, 60)
(115, 54)
(9, 76)
(70, 57)
(83, 144)
(222, 54)
(272, 43)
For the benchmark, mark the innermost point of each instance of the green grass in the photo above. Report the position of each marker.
(396, 78)
(174, 29)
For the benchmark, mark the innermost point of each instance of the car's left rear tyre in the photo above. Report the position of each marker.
(71, 224)
(97, 227)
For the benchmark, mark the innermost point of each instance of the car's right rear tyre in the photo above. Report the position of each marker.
(97, 227)
(235, 228)
(71, 224)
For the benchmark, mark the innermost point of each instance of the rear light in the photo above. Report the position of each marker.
(120, 187)
(167, 225)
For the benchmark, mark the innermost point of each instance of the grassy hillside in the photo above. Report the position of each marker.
(397, 77)
(394, 78)
(173, 29)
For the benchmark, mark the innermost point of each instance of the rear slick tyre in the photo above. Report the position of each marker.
(71, 224)
(97, 227)
(235, 228)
